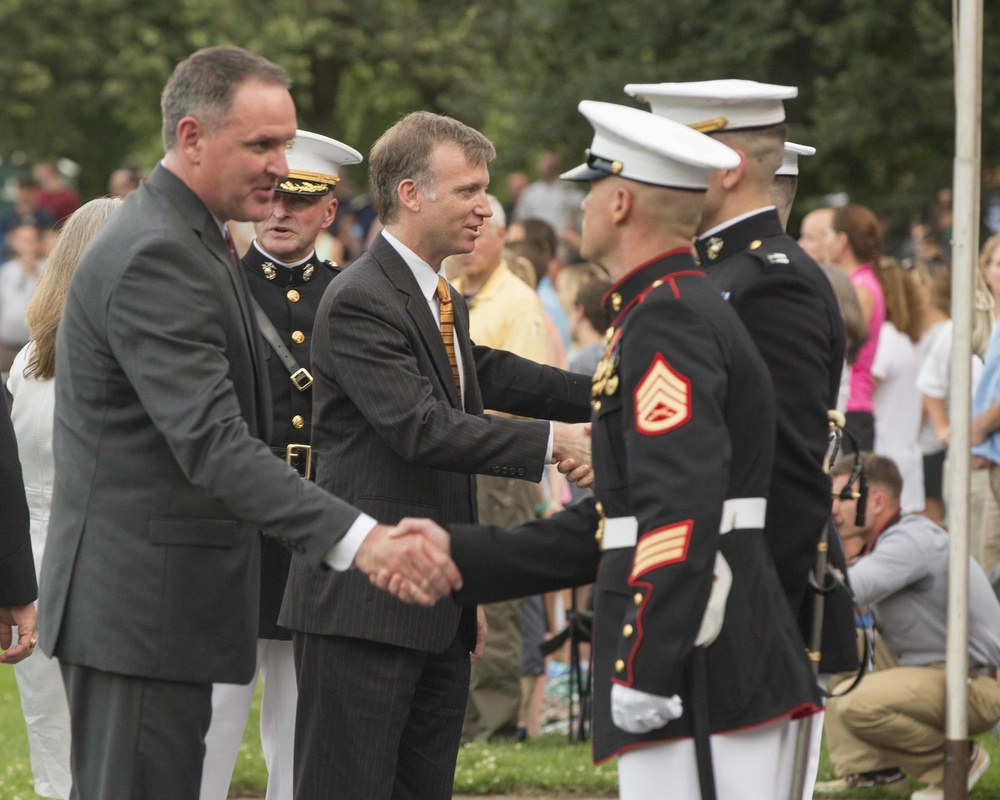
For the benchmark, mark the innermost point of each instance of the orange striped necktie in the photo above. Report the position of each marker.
(447, 316)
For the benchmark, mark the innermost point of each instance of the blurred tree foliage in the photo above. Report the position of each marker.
(82, 78)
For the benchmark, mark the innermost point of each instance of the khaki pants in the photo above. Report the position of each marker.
(896, 718)
(989, 532)
(495, 681)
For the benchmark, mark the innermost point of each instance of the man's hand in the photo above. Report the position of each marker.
(571, 452)
(580, 474)
(641, 712)
(571, 441)
(24, 618)
(482, 630)
(411, 560)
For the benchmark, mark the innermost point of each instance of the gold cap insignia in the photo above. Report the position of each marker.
(710, 125)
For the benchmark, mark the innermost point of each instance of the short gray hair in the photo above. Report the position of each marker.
(404, 152)
(203, 86)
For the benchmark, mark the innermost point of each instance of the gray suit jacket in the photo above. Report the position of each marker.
(392, 437)
(162, 480)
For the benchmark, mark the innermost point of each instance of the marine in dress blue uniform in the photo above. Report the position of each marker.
(691, 627)
(790, 310)
(287, 285)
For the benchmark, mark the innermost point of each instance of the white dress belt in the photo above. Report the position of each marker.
(737, 513)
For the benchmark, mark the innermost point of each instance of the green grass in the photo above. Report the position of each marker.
(545, 764)
(15, 771)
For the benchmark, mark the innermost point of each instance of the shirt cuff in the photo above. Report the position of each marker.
(548, 447)
(341, 555)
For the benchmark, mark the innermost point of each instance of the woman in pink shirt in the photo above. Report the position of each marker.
(857, 249)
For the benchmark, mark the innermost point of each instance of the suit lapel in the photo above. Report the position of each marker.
(420, 313)
(197, 215)
(213, 241)
(473, 399)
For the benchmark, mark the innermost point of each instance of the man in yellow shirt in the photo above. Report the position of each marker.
(504, 313)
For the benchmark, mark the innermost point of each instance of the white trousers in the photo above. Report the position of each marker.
(230, 708)
(754, 764)
(46, 715)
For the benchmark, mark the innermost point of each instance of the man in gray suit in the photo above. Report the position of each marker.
(18, 588)
(150, 577)
(400, 431)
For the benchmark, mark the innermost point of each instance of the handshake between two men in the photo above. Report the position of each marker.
(412, 560)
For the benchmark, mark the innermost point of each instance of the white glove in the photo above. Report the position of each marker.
(641, 712)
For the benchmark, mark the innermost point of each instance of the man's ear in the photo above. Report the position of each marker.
(409, 194)
(622, 202)
(330, 214)
(878, 502)
(190, 138)
(731, 177)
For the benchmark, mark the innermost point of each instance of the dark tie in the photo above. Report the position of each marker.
(231, 246)
(447, 316)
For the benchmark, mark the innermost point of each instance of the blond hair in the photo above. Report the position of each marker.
(46, 306)
(904, 302)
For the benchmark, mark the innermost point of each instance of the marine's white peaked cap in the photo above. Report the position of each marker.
(640, 146)
(711, 106)
(790, 161)
(314, 163)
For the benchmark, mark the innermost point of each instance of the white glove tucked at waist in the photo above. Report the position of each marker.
(641, 712)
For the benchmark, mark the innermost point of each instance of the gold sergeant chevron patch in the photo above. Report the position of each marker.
(663, 546)
(662, 399)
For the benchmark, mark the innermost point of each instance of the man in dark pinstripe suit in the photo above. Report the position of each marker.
(383, 685)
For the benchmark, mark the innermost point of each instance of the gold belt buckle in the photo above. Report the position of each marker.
(294, 451)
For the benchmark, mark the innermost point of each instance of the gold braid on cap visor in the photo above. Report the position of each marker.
(301, 181)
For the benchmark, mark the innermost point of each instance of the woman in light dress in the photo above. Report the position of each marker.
(39, 681)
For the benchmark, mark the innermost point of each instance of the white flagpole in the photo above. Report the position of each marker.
(968, 103)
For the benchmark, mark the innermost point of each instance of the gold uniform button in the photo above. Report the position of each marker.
(755, 244)
(616, 302)
(293, 296)
(637, 598)
(298, 337)
(298, 421)
(627, 631)
(657, 283)
(619, 666)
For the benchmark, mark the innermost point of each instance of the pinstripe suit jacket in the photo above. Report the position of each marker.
(392, 437)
